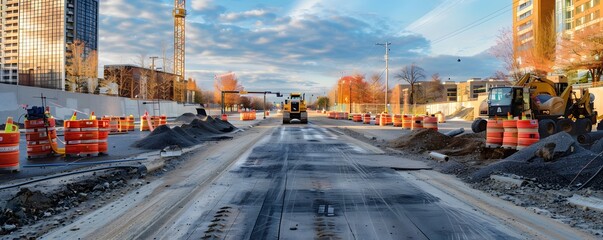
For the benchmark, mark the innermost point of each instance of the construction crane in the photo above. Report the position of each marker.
(179, 31)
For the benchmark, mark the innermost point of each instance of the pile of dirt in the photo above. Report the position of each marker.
(199, 129)
(462, 113)
(421, 140)
(564, 161)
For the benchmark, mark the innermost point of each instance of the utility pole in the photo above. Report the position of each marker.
(153, 62)
(386, 45)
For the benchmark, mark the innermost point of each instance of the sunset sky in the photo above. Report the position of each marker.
(307, 45)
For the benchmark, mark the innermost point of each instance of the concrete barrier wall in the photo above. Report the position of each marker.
(63, 104)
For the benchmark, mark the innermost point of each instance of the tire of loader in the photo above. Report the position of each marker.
(546, 127)
(566, 125)
(286, 121)
(600, 126)
(479, 125)
(583, 125)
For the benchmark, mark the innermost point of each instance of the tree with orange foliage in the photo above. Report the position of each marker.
(353, 89)
(583, 50)
(227, 82)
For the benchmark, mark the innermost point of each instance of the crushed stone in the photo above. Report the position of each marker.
(198, 129)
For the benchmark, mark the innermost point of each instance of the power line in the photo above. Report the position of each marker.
(476, 23)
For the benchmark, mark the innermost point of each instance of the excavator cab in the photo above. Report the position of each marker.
(503, 101)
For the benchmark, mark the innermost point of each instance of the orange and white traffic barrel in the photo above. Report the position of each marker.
(417, 122)
(527, 133)
(144, 125)
(224, 117)
(377, 119)
(366, 119)
(163, 119)
(406, 121)
(9, 150)
(383, 121)
(509, 134)
(103, 136)
(357, 118)
(494, 133)
(124, 125)
(81, 137)
(40, 137)
(397, 120)
(430, 123)
(130, 120)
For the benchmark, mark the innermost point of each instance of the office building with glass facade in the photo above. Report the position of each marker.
(48, 30)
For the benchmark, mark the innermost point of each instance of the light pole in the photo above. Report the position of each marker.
(350, 83)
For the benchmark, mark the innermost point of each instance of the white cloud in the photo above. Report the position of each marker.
(201, 5)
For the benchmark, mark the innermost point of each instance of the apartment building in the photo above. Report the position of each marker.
(9, 35)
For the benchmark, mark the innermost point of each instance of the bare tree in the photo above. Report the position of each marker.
(505, 52)
(411, 74)
(81, 66)
(376, 88)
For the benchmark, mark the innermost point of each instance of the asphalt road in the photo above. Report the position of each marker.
(289, 182)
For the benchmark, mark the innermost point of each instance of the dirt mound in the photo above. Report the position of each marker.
(568, 161)
(200, 128)
(421, 140)
(463, 113)
(465, 144)
(186, 118)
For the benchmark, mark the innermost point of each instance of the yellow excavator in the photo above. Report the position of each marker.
(295, 108)
(553, 103)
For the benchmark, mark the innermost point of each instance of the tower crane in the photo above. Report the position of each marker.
(179, 43)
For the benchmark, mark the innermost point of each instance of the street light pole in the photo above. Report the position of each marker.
(386, 44)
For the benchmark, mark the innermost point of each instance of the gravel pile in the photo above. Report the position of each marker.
(186, 118)
(198, 129)
(567, 163)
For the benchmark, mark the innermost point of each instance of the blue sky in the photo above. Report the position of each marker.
(307, 45)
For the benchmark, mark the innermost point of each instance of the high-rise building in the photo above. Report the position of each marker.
(9, 27)
(533, 22)
(56, 38)
(577, 14)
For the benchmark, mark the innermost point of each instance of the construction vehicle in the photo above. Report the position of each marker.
(553, 104)
(295, 108)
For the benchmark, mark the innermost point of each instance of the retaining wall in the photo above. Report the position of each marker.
(63, 104)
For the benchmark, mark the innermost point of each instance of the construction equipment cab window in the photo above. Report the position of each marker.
(295, 109)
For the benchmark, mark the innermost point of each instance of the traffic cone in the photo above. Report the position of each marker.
(523, 116)
(74, 116)
(509, 116)
(92, 116)
(10, 126)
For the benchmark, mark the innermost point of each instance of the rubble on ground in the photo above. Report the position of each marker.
(195, 130)
(567, 161)
(28, 206)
